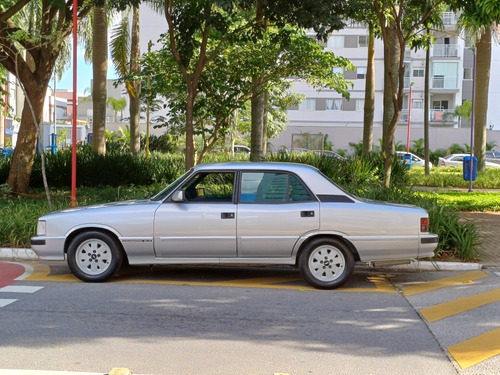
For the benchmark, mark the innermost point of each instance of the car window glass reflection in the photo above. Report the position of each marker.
(272, 187)
(210, 187)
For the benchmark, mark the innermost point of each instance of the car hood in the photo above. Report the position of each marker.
(135, 202)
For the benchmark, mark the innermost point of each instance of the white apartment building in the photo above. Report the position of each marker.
(451, 79)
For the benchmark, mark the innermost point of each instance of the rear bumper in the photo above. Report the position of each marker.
(428, 244)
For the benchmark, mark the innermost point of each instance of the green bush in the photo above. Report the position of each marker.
(114, 169)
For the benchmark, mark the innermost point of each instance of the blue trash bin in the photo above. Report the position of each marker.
(466, 168)
(407, 160)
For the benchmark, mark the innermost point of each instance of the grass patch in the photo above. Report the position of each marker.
(464, 200)
(452, 177)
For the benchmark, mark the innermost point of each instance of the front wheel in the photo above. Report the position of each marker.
(326, 263)
(94, 256)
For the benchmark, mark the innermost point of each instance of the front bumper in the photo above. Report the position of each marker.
(48, 248)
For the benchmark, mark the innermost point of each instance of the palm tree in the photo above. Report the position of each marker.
(126, 53)
(463, 111)
(477, 18)
(100, 71)
(118, 106)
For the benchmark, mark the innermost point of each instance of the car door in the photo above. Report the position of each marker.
(203, 225)
(275, 209)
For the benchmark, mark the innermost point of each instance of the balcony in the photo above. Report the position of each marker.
(450, 18)
(445, 50)
(444, 83)
(443, 117)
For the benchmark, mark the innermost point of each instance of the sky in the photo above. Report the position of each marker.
(83, 76)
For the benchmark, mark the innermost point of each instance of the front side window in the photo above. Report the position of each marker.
(272, 187)
(210, 187)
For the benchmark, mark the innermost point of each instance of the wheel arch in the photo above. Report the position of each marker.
(105, 231)
(348, 243)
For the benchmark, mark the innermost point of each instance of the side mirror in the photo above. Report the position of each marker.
(178, 196)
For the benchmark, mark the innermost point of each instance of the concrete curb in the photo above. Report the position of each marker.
(15, 254)
(438, 266)
(28, 254)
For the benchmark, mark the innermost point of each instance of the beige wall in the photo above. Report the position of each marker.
(439, 138)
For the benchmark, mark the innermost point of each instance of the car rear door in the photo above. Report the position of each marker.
(275, 209)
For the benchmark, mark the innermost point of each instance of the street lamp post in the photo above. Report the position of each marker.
(471, 161)
(409, 119)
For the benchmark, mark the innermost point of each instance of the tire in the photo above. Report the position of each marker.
(94, 256)
(326, 263)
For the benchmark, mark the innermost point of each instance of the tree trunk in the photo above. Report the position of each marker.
(258, 103)
(135, 103)
(482, 82)
(100, 71)
(190, 149)
(369, 96)
(24, 154)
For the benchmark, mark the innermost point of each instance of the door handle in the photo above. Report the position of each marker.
(227, 215)
(306, 213)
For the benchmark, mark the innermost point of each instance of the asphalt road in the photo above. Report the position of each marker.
(245, 321)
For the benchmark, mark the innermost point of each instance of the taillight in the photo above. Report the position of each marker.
(424, 224)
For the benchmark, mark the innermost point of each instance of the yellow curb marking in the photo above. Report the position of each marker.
(382, 285)
(477, 349)
(459, 305)
(42, 273)
(443, 283)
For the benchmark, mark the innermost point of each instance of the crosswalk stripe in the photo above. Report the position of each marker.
(443, 283)
(20, 289)
(5, 302)
(459, 305)
(477, 349)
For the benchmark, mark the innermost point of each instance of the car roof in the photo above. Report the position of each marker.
(249, 166)
(317, 182)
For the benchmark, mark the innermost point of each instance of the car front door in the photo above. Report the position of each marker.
(203, 225)
(275, 209)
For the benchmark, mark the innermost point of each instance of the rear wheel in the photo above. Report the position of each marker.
(94, 256)
(326, 263)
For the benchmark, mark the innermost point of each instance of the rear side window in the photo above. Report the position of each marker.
(272, 187)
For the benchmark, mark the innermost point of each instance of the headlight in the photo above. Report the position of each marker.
(41, 228)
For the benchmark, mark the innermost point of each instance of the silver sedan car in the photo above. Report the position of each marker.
(239, 214)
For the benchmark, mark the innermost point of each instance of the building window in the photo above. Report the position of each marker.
(363, 41)
(468, 73)
(333, 104)
(337, 70)
(417, 103)
(335, 41)
(308, 105)
(440, 104)
(360, 104)
(418, 72)
(361, 73)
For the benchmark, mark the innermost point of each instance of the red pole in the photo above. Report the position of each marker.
(5, 115)
(409, 120)
(73, 137)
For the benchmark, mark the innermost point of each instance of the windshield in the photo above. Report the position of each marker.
(170, 188)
